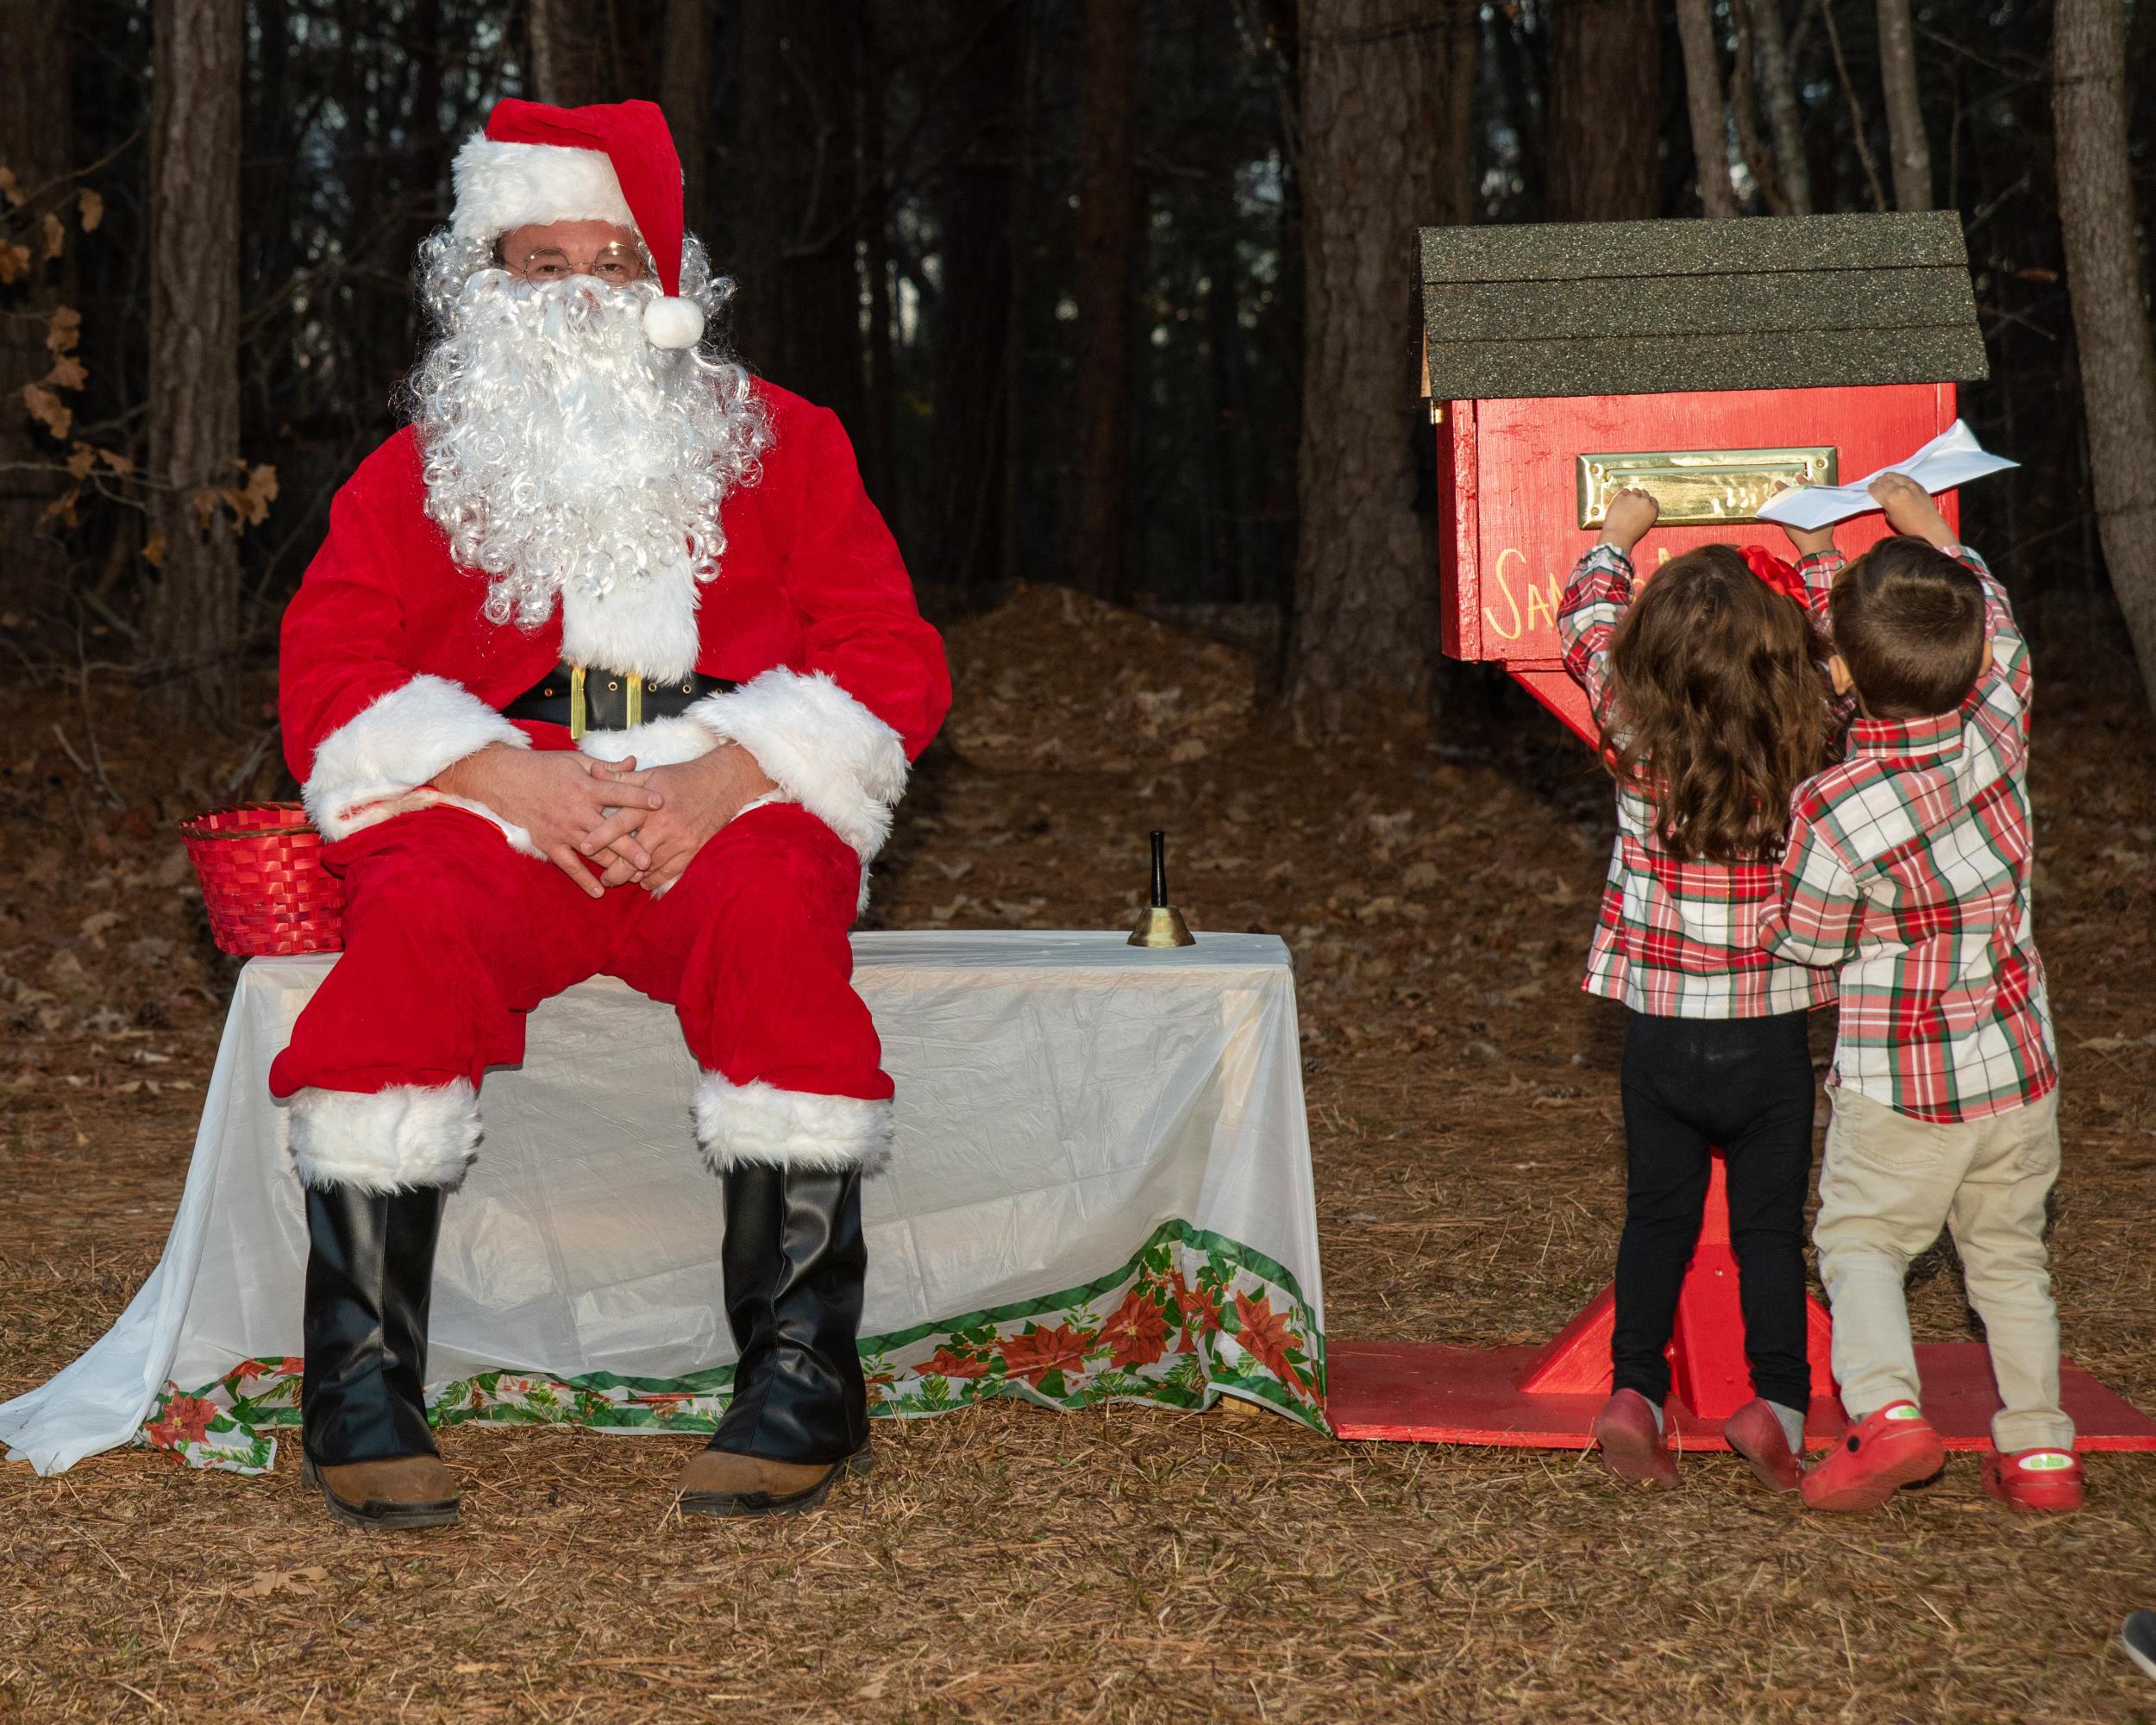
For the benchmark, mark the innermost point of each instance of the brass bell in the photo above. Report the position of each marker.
(1160, 924)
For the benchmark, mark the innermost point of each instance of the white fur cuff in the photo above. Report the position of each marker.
(381, 761)
(822, 747)
(403, 1137)
(758, 1122)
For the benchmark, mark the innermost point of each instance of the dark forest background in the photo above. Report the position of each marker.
(1049, 261)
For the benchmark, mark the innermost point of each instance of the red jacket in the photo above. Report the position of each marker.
(390, 671)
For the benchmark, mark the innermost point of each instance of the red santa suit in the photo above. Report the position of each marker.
(456, 928)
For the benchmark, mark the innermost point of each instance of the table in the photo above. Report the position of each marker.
(1101, 1189)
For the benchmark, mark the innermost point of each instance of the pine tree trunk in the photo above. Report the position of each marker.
(754, 263)
(1703, 105)
(880, 405)
(1905, 114)
(1107, 215)
(821, 276)
(36, 130)
(1374, 168)
(1603, 154)
(685, 94)
(1778, 86)
(193, 622)
(573, 59)
(975, 208)
(2110, 312)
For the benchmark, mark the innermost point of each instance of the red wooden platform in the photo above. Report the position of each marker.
(1547, 1397)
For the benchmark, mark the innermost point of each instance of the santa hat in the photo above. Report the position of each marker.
(614, 163)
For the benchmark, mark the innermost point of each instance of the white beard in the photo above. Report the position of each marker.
(568, 460)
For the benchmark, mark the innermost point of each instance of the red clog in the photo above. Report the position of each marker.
(1755, 1432)
(2035, 1482)
(1877, 1456)
(1631, 1443)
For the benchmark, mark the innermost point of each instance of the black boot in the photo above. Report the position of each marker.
(793, 1260)
(363, 1411)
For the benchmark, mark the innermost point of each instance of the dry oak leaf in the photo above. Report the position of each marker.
(154, 549)
(48, 408)
(11, 188)
(55, 236)
(80, 460)
(250, 503)
(14, 260)
(67, 373)
(63, 330)
(91, 206)
(63, 506)
(269, 1581)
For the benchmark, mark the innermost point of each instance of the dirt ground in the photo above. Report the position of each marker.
(1012, 1564)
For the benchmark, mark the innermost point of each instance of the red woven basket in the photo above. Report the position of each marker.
(262, 881)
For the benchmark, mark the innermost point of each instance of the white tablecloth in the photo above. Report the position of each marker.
(1101, 1187)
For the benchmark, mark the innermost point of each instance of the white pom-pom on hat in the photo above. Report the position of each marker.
(674, 323)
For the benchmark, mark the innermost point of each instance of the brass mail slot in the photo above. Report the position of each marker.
(1699, 486)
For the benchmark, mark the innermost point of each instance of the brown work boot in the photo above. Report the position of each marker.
(412, 1491)
(721, 1482)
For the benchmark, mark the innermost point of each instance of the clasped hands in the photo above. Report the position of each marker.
(630, 824)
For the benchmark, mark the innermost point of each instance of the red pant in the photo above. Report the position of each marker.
(451, 937)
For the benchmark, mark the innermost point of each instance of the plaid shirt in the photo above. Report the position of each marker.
(1908, 867)
(1674, 938)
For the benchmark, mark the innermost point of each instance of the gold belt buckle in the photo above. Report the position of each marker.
(580, 713)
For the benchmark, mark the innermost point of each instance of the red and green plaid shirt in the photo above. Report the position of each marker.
(1675, 937)
(1908, 867)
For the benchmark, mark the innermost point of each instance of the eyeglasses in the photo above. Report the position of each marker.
(616, 265)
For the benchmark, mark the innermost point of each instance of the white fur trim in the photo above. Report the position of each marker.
(655, 743)
(646, 624)
(759, 1122)
(501, 186)
(822, 747)
(408, 1135)
(673, 324)
(380, 762)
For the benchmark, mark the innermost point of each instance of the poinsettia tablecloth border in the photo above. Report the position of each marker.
(1191, 1317)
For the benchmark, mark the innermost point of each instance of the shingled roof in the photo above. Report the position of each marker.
(1642, 308)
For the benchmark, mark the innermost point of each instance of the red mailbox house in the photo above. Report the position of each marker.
(1706, 361)
(1703, 360)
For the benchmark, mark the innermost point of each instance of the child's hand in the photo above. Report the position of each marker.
(1630, 514)
(1809, 540)
(1909, 509)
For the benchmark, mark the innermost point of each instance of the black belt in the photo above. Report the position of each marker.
(584, 698)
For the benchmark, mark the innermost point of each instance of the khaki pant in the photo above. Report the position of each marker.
(1888, 1185)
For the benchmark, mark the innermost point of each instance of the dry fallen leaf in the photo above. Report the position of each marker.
(48, 408)
(90, 205)
(55, 236)
(269, 1581)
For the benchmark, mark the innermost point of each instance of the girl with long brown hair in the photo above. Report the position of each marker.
(1710, 686)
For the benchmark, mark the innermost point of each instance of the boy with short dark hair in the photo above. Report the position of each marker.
(1907, 869)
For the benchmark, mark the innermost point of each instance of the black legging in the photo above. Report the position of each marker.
(1689, 1084)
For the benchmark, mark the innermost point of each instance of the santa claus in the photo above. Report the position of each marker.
(606, 664)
